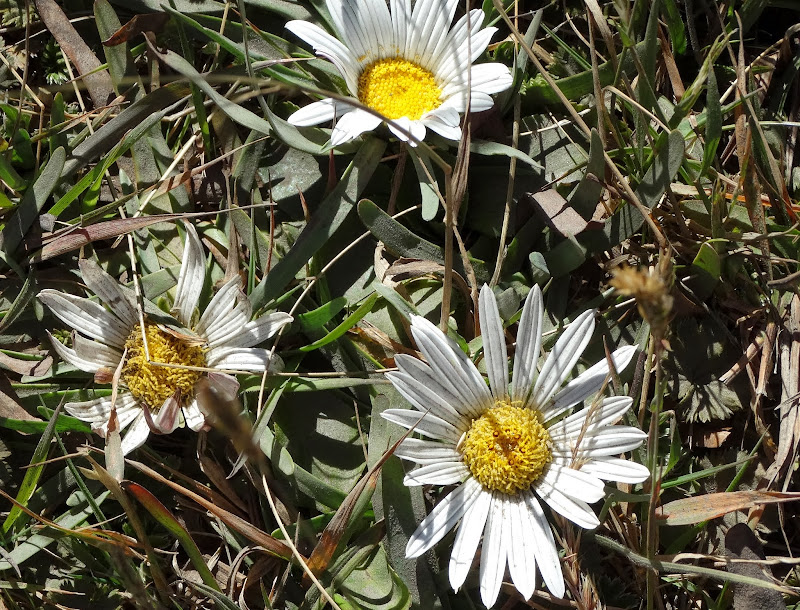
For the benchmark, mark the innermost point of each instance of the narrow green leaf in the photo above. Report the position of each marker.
(31, 205)
(32, 474)
(346, 325)
(319, 317)
(713, 123)
(168, 520)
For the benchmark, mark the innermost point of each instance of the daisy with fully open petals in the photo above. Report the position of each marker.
(408, 66)
(509, 448)
(159, 394)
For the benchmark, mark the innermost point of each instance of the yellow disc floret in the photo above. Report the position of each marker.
(507, 448)
(396, 88)
(152, 383)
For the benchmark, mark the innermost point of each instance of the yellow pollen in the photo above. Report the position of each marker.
(397, 88)
(507, 448)
(151, 383)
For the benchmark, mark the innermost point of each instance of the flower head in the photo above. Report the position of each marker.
(408, 66)
(158, 367)
(510, 447)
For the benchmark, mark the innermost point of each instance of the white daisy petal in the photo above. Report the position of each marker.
(65, 353)
(86, 317)
(478, 101)
(239, 359)
(109, 290)
(191, 277)
(612, 440)
(546, 552)
(562, 358)
(467, 539)
(424, 423)
(193, 416)
(441, 124)
(429, 18)
(493, 556)
(438, 41)
(427, 378)
(422, 451)
(588, 382)
(522, 547)
(220, 309)
(326, 45)
(425, 398)
(231, 322)
(97, 412)
(616, 469)
(136, 435)
(315, 113)
(577, 511)
(494, 343)
(440, 473)
(352, 125)
(455, 57)
(451, 365)
(226, 386)
(575, 483)
(529, 344)
(590, 419)
(255, 332)
(400, 126)
(166, 420)
(489, 78)
(443, 518)
(401, 21)
(96, 351)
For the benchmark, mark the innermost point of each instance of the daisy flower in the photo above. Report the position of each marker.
(159, 395)
(408, 66)
(509, 448)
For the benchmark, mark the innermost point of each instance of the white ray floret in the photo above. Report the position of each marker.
(152, 397)
(507, 445)
(408, 66)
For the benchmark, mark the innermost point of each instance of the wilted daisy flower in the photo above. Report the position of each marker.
(409, 66)
(507, 448)
(152, 396)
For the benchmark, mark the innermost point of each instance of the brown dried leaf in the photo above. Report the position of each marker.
(688, 511)
(149, 22)
(75, 237)
(556, 212)
(31, 368)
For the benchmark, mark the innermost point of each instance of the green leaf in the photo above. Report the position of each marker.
(401, 242)
(401, 507)
(234, 111)
(428, 187)
(668, 160)
(106, 137)
(346, 325)
(38, 542)
(31, 205)
(320, 316)
(491, 149)
(586, 195)
(168, 520)
(330, 215)
(20, 303)
(713, 123)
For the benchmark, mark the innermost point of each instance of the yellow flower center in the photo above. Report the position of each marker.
(152, 383)
(507, 448)
(397, 88)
